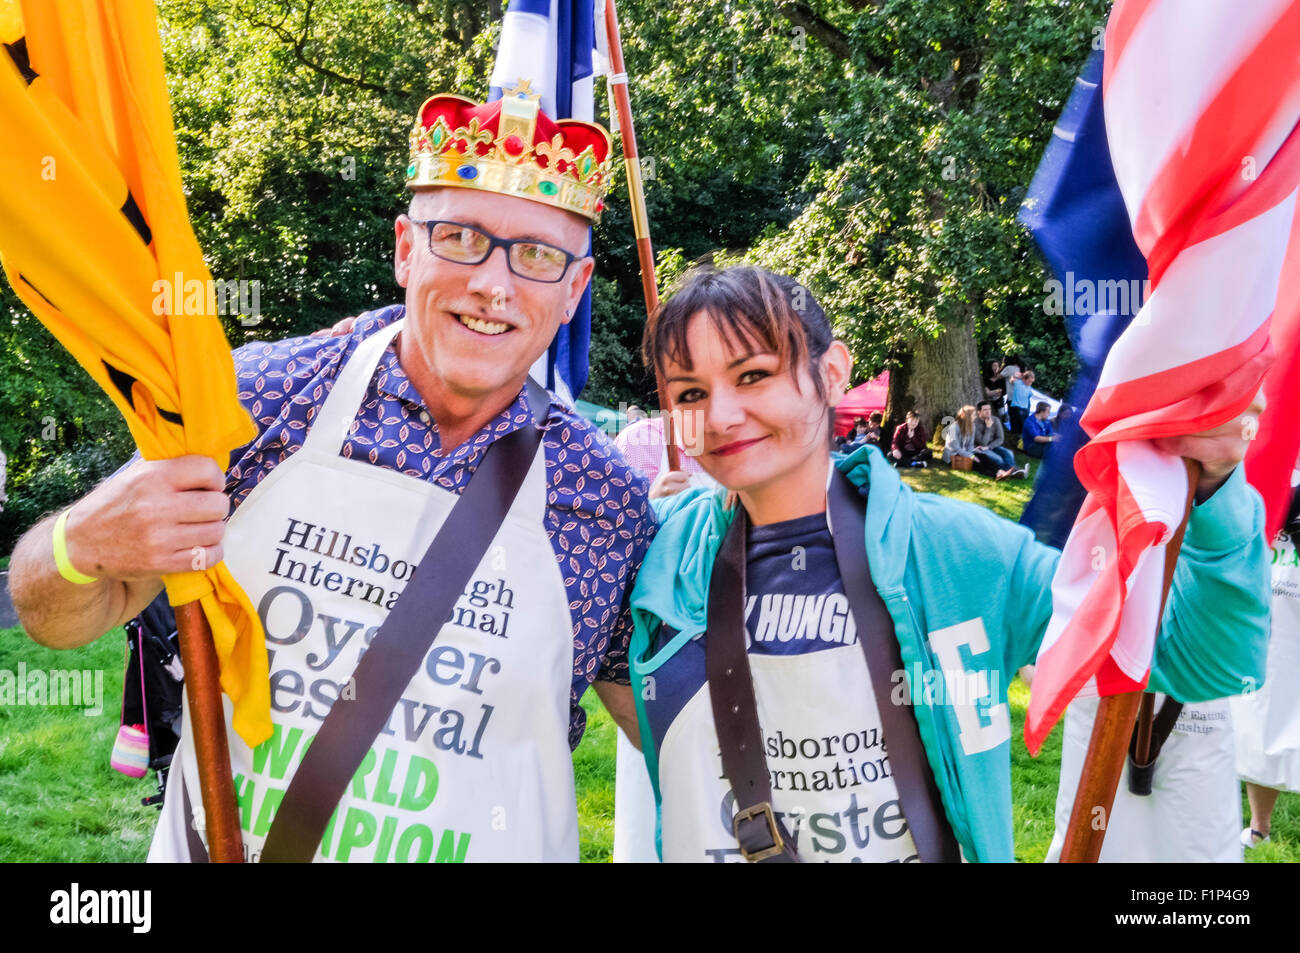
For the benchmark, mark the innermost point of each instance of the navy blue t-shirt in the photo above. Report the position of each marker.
(795, 603)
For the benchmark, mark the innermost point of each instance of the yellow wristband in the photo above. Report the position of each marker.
(66, 569)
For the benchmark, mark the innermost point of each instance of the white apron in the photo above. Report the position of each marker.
(1267, 721)
(474, 763)
(830, 773)
(634, 807)
(1193, 813)
(634, 797)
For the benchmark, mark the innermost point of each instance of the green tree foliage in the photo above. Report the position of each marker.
(292, 121)
(912, 234)
(60, 436)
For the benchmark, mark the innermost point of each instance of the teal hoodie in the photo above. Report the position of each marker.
(932, 560)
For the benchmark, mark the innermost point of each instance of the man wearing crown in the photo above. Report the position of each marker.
(366, 443)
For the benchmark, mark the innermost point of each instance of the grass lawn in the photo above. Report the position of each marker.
(60, 800)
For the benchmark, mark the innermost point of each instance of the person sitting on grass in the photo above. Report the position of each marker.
(990, 445)
(911, 444)
(858, 435)
(1038, 434)
(959, 439)
(875, 426)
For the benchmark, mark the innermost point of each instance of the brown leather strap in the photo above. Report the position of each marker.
(403, 640)
(760, 832)
(917, 791)
(1141, 777)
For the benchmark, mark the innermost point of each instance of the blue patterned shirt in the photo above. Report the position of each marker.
(597, 513)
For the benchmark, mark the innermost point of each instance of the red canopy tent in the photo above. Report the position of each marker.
(860, 402)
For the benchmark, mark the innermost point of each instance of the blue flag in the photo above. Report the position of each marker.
(1076, 215)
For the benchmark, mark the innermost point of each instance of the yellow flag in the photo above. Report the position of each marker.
(96, 240)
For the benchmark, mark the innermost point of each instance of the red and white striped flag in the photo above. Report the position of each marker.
(1201, 101)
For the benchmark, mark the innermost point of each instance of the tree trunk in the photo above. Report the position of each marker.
(937, 377)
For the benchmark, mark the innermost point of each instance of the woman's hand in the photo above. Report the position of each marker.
(668, 483)
(1218, 450)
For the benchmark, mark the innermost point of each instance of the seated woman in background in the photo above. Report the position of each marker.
(990, 444)
(962, 443)
(959, 440)
(787, 622)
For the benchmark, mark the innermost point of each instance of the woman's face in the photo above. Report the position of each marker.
(751, 425)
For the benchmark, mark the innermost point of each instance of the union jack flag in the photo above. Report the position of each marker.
(1201, 101)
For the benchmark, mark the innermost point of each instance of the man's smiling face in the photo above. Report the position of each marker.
(473, 331)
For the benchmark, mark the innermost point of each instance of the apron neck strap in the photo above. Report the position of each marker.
(760, 831)
(335, 417)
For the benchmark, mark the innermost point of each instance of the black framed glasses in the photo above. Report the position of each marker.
(526, 257)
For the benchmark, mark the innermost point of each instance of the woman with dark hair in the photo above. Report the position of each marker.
(819, 668)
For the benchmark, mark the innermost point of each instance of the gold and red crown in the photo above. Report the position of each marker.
(513, 148)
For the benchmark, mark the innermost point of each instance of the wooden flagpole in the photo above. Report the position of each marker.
(208, 728)
(1103, 765)
(636, 194)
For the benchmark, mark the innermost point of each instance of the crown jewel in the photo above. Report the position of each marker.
(511, 147)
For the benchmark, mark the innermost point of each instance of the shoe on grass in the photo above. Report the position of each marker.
(1252, 838)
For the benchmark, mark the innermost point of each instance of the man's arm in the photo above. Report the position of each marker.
(155, 517)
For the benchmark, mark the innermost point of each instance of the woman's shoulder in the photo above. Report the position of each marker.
(673, 578)
(687, 505)
(691, 526)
